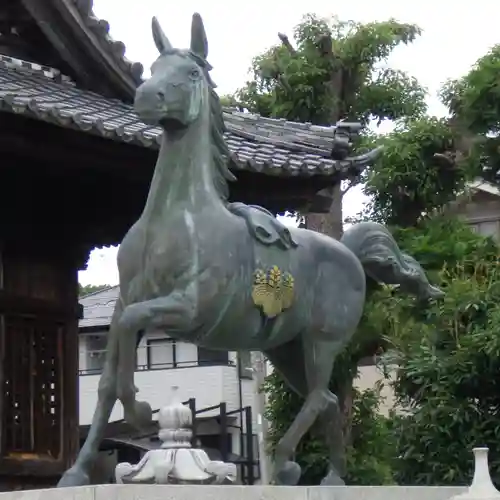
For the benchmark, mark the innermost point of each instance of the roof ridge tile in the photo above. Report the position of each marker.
(100, 28)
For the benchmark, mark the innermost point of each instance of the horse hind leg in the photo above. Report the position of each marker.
(320, 359)
(307, 367)
(288, 360)
(332, 430)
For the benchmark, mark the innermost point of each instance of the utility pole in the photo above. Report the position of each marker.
(259, 368)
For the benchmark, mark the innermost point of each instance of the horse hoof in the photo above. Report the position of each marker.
(144, 413)
(332, 479)
(141, 417)
(74, 477)
(289, 475)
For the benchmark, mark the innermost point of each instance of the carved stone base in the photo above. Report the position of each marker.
(176, 462)
(176, 466)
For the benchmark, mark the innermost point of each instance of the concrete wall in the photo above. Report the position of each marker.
(482, 211)
(156, 492)
(209, 385)
(368, 377)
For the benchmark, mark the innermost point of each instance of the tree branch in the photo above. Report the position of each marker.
(325, 45)
(286, 42)
(463, 144)
(351, 184)
(279, 74)
(336, 83)
(448, 158)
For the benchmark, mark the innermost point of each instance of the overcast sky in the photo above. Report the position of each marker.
(455, 35)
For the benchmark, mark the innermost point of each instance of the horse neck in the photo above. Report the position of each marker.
(183, 172)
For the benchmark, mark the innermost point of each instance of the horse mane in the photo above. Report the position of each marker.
(220, 152)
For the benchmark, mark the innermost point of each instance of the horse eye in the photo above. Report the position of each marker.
(195, 73)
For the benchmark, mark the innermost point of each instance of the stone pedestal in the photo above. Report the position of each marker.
(176, 462)
(235, 492)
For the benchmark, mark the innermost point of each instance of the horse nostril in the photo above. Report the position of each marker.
(160, 95)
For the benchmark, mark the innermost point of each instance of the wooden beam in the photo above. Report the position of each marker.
(55, 145)
(29, 306)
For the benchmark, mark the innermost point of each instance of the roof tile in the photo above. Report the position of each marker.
(98, 307)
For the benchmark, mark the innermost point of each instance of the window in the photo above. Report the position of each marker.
(487, 228)
(95, 352)
(161, 353)
(245, 364)
(212, 357)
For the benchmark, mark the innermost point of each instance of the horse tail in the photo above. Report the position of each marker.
(383, 260)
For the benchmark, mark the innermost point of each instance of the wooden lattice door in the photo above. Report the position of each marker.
(33, 389)
(39, 372)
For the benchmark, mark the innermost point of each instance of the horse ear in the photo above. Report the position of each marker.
(199, 42)
(161, 41)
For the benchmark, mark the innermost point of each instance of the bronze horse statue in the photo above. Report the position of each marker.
(230, 276)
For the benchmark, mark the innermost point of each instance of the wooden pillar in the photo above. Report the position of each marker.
(39, 314)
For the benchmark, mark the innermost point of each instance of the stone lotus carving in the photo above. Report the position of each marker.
(176, 462)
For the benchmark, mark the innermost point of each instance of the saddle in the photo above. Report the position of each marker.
(263, 225)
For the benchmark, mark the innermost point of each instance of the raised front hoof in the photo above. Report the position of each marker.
(332, 479)
(141, 417)
(74, 477)
(289, 475)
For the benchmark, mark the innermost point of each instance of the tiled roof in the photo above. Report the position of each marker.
(271, 146)
(98, 307)
(100, 30)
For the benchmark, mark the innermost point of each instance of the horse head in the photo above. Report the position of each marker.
(179, 85)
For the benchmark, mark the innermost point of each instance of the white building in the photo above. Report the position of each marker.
(207, 378)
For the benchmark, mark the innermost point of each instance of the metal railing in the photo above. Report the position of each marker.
(94, 361)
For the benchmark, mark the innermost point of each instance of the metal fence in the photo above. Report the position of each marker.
(149, 357)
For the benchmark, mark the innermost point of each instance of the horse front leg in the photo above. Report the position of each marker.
(79, 473)
(137, 413)
(173, 312)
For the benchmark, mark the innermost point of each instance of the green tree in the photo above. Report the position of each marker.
(334, 72)
(474, 102)
(448, 355)
(447, 358)
(85, 290)
(414, 178)
(229, 101)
